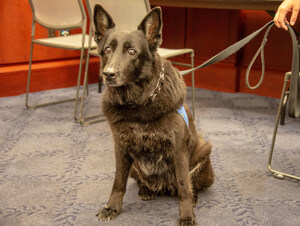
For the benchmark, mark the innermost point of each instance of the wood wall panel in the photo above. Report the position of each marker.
(207, 31)
(15, 17)
(174, 27)
(278, 55)
(15, 35)
(52, 67)
(219, 77)
(271, 85)
(278, 50)
(210, 31)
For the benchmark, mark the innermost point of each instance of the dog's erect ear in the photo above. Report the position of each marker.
(102, 22)
(151, 25)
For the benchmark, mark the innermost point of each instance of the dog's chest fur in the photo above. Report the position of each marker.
(151, 146)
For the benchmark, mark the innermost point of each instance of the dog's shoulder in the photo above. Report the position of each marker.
(173, 89)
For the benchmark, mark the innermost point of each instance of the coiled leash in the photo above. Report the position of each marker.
(294, 95)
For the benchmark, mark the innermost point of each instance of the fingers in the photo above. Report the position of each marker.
(294, 16)
(280, 18)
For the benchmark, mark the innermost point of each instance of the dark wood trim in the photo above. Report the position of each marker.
(44, 76)
(220, 4)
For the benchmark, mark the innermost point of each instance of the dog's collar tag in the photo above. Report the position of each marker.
(182, 112)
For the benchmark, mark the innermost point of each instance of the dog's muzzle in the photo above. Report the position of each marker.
(110, 75)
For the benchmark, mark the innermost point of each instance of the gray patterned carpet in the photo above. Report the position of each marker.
(55, 172)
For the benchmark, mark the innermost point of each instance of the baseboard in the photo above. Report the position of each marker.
(224, 77)
(45, 75)
(228, 77)
(219, 77)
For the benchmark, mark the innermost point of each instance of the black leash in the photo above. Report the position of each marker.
(294, 95)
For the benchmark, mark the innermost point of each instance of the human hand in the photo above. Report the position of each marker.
(281, 16)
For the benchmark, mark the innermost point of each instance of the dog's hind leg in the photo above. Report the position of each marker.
(201, 170)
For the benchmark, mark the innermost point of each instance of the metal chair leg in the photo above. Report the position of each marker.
(78, 85)
(278, 174)
(85, 84)
(29, 77)
(100, 83)
(89, 119)
(86, 61)
(100, 79)
(193, 85)
(28, 87)
(283, 109)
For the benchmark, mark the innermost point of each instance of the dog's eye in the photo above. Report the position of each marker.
(107, 50)
(131, 52)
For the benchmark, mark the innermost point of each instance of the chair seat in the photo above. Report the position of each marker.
(66, 42)
(94, 52)
(166, 53)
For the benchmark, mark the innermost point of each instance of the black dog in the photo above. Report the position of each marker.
(154, 144)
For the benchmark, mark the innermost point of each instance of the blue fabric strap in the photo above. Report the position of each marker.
(181, 111)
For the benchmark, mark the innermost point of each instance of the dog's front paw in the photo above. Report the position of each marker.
(107, 213)
(187, 221)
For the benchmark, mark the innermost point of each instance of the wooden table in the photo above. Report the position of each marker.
(221, 4)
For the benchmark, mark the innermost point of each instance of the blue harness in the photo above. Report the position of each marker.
(181, 111)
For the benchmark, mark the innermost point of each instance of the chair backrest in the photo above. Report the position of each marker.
(127, 14)
(59, 14)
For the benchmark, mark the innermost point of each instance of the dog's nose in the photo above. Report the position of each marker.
(109, 75)
(110, 72)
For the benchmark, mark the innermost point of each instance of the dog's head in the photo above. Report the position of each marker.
(125, 55)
